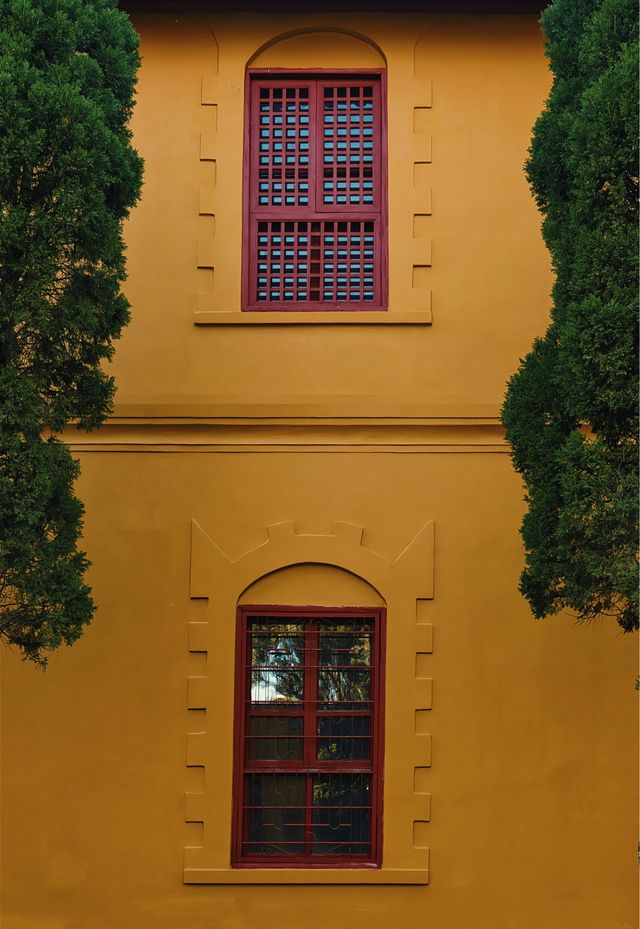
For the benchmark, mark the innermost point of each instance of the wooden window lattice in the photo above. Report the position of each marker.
(315, 212)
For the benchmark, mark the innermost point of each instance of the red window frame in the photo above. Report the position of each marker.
(310, 710)
(346, 220)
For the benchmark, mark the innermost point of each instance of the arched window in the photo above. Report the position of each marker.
(309, 712)
(315, 234)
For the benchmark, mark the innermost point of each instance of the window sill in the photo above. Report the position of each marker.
(305, 876)
(311, 318)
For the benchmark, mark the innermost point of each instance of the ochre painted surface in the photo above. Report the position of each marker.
(355, 464)
(532, 776)
(463, 93)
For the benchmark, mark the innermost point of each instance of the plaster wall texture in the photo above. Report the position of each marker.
(463, 93)
(355, 464)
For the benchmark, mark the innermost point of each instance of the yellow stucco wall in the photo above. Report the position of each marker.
(353, 463)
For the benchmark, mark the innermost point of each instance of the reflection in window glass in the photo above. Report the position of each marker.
(347, 688)
(277, 660)
(311, 716)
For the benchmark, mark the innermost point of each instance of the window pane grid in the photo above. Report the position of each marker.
(307, 791)
(282, 157)
(315, 164)
(325, 262)
(349, 155)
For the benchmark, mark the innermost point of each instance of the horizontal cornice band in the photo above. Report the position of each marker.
(247, 408)
(296, 424)
(300, 436)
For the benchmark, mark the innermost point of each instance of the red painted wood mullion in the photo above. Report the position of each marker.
(311, 690)
(316, 152)
(310, 725)
(374, 729)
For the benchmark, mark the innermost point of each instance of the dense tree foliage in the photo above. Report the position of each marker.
(68, 177)
(571, 410)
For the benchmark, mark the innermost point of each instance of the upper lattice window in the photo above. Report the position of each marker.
(315, 203)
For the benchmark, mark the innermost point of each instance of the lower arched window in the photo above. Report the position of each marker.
(308, 754)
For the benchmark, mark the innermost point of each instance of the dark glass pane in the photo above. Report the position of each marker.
(274, 815)
(346, 689)
(357, 624)
(275, 738)
(342, 814)
(344, 737)
(338, 650)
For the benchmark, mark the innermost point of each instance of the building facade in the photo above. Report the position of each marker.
(312, 695)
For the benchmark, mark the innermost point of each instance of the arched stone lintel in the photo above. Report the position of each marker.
(212, 569)
(298, 564)
(308, 30)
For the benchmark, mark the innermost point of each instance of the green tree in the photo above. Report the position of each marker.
(68, 178)
(571, 410)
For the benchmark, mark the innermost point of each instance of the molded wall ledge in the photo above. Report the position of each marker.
(326, 318)
(297, 423)
(305, 876)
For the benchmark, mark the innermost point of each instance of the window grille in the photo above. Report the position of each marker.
(308, 738)
(315, 201)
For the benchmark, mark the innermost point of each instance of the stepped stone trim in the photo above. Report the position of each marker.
(404, 582)
(207, 152)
